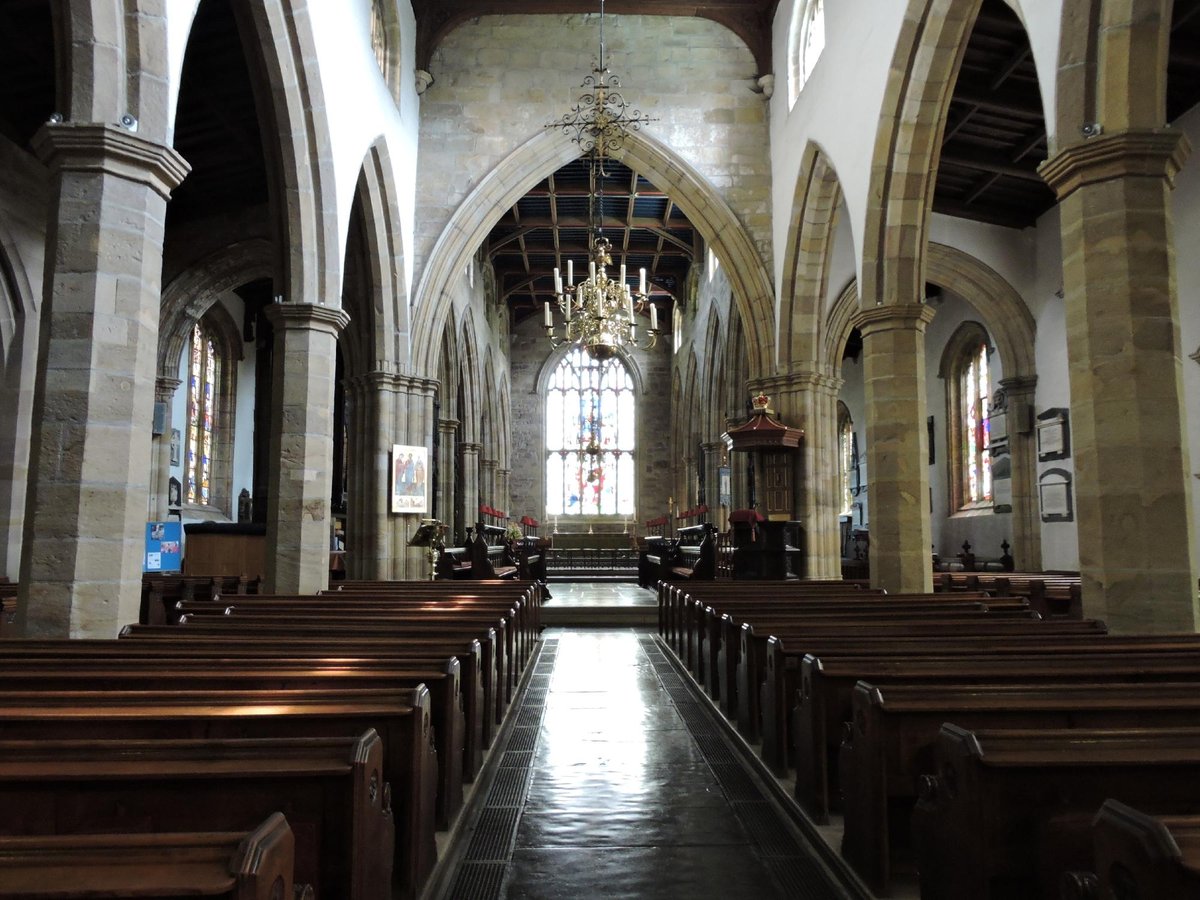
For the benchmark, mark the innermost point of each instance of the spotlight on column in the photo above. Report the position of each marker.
(129, 123)
(55, 119)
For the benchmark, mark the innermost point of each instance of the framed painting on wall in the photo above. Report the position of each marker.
(410, 484)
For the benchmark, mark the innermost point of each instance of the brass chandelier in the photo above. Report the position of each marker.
(599, 312)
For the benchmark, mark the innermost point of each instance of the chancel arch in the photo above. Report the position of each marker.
(544, 154)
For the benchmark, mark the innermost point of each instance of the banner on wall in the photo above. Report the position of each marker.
(164, 547)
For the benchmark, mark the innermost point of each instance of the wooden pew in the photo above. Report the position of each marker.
(1139, 856)
(489, 555)
(476, 657)
(229, 866)
(827, 681)
(888, 743)
(1008, 811)
(440, 677)
(160, 593)
(763, 684)
(512, 646)
(214, 653)
(8, 607)
(493, 639)
(401, 718)
(331, 790)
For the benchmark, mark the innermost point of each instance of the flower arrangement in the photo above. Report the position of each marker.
(513, 532)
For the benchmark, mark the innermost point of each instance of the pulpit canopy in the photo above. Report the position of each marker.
(763, 431)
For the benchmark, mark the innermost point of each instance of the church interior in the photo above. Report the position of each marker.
(719, 448)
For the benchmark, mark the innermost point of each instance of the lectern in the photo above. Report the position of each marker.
(430, 535)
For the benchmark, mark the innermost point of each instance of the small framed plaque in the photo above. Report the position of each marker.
(1054, 493)
(1053, 434)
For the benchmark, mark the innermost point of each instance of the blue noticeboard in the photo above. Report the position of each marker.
(164, 548)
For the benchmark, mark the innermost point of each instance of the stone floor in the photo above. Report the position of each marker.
(614, 781)
(601, 594)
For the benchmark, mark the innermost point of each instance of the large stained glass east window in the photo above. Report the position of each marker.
(202, 401)
(977, 461)
(590, 438)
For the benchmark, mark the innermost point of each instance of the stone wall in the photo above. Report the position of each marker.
(499, 80)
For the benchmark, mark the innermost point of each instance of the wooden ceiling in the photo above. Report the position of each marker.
(995, 135)
(27, 75)
(749, 19)
(549, 225)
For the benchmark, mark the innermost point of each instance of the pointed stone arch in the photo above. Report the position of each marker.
(469, 374)
(1004, 313)
(303, 201)
(18, 352)
(1112, 67)
(383, 323)
(112, 62)
(921, 79)
(818, 196)
(546, 153)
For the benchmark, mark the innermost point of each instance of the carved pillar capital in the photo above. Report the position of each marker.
(1156, 153)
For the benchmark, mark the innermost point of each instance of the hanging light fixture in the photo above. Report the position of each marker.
(599, 312)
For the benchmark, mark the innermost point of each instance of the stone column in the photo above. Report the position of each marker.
(470, 473)
(487, 484)
(164, 398)
(1026, 513)
(90, 473)
(897, 445)
(712, 485)
(414, 423)
(503, 500)
(1137, 549)
(298, 525)
(448, 453)
(371, 435)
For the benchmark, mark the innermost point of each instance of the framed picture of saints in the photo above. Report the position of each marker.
(410, 479)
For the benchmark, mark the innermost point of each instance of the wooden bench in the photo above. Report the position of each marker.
(401, 718)
(762, 686)
(827, 681)
(511, 620)
(440, 677)
(231, 866)
(1050, 594)
(331, 790)
(1139, 856)
(888, 744)
(160, 593)
(1008, 812)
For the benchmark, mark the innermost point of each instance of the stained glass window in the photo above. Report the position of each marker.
(846, 457)
(202, 400)
(977, 461)
(590, 438)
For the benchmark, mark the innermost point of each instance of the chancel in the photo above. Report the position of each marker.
(460, 448)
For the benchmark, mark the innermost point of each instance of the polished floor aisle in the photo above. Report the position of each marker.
(617, 782)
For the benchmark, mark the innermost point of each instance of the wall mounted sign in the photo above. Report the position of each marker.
(1053, 434)
(1054, 493)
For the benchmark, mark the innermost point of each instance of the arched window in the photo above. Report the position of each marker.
(805, 43)
(385, 34)
(965, 366)
(847, 459)
(202, 394)
(590, 420)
